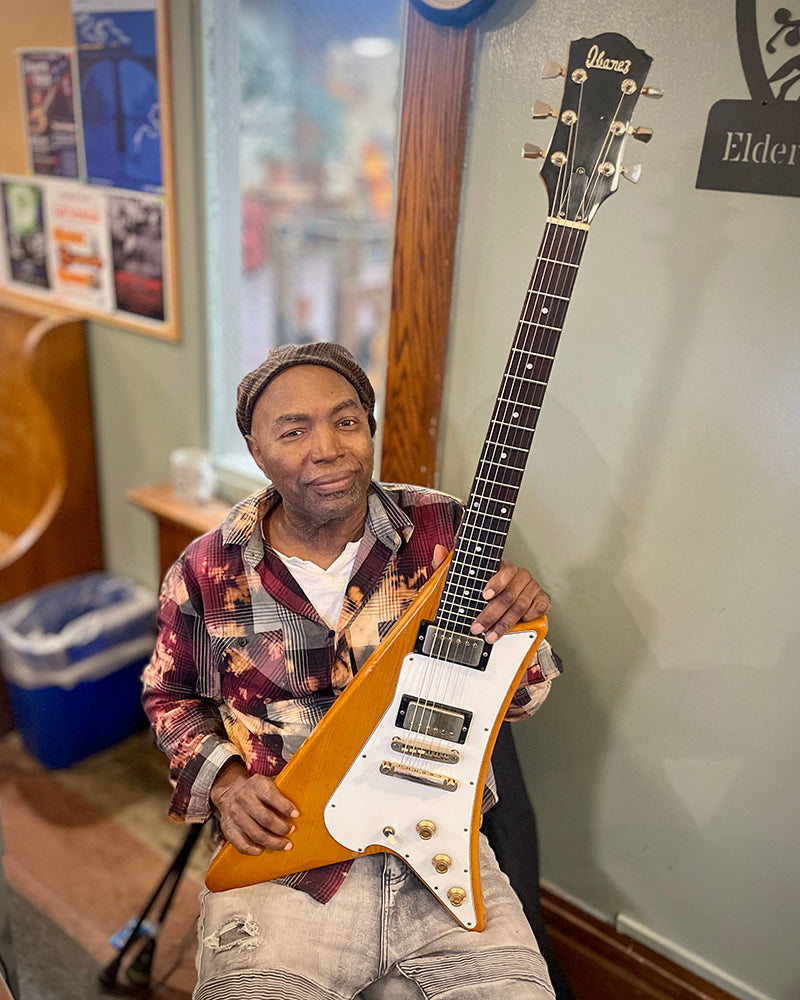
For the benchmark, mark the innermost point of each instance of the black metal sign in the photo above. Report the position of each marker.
(755, 145)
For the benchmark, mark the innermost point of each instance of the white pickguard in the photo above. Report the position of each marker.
(367, 803)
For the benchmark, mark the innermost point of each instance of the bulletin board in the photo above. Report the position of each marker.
(87, 217)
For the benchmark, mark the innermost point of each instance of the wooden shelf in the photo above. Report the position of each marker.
(178, 522)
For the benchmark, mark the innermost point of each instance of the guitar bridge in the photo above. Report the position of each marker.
(431, 778)
(409, 749)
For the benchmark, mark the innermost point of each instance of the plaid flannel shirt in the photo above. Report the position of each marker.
(245, 667)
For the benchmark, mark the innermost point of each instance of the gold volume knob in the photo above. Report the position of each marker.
(426, 829)
(442, 863)
(456, 895)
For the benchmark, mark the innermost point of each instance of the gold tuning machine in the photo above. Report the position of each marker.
(531, 152)
(551, 70)
(641, 133)
(654, 92)
(632, 173)
(542, 110)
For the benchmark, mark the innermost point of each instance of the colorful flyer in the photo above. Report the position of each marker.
(26, 244)
(137, 246)
(80, 259)
(119, 92)
(49, 97)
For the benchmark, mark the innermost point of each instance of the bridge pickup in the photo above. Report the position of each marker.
(432, 719)
(409, 749)
(441, 781)
(453, 647)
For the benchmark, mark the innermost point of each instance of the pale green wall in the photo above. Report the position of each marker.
(660, 508)
(661, 504)
(149, 396)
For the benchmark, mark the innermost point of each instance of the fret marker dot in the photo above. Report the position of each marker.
(472, 572)
(515, 414)
(477, 548)
(544, 309)
(504, 510)
(529, 366)
(503, 455)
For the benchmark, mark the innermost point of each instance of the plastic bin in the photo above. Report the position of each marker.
(72, 654)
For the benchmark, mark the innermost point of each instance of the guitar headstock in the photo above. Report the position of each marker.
(602, 82)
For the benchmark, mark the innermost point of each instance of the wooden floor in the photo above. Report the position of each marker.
(87, 846)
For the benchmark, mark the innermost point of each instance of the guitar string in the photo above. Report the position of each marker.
(505, 399)
(529, 338)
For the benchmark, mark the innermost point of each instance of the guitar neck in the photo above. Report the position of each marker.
(495, 488)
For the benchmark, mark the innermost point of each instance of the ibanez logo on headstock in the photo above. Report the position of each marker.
(583, 164)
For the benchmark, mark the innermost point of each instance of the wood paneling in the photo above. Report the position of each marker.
(433, 129)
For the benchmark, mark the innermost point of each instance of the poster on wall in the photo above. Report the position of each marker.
(51, 127)
(119, 92)
(25, 246)
(137, 245)
(80, 260)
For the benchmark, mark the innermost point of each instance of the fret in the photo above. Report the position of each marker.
(539, 326)
(552, 295)
(552, 260)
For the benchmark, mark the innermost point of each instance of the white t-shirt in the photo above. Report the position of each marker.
(325, 588)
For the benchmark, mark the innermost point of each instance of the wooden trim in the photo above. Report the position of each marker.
(433, 131)
(602, 964)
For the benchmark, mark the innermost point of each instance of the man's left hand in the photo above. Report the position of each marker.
(512, 596)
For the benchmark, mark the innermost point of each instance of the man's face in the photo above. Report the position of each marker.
(310, 436)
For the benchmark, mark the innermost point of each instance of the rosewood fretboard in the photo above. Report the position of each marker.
(493, 496)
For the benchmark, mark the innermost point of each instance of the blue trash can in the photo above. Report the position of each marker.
(72, 654)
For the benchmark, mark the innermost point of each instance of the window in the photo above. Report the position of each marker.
(301, 108)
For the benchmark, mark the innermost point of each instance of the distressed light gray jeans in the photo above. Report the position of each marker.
(383, 936)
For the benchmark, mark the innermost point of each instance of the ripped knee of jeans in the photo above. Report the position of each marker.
(238, 932)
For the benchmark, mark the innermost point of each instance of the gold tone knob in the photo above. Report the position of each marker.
(442, 863)
(426, 829)
(456, 895)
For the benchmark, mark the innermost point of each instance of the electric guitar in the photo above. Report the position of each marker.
(399, 761)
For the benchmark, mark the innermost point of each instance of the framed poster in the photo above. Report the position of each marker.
(87, 217)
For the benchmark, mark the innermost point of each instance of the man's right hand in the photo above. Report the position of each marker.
(254, 816)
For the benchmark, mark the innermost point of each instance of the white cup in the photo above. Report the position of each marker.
(192, 475)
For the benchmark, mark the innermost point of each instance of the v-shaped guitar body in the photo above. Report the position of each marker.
(420, 799)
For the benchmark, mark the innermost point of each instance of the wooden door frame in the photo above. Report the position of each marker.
(436, 86)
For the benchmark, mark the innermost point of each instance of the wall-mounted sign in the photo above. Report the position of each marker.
(754, 145)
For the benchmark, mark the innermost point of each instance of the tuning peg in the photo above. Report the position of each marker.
(531, 152)
(551, 70)
(633, 173)
(542, 110)
(654, 92)
(641, 133)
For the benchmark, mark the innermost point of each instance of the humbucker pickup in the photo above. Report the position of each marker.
(429, 718)
(454, 647)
